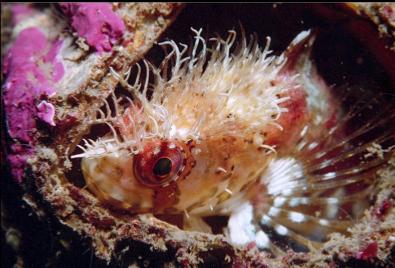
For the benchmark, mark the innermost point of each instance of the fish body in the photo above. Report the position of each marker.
(225, 125)
(217, 123)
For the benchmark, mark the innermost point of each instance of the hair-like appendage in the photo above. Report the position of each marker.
(218, 90)
(326, 181)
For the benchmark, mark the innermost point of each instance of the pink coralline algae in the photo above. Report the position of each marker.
(46, 112)
(368, 252)
(32, 69)
(383, 209)
(20, 11)
(96, 22)
(389, 13)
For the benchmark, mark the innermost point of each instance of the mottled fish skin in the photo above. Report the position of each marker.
(325, 181)
(225, 113)
(324, 184)
(229, 125)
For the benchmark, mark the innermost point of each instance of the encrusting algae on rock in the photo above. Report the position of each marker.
(222, 137)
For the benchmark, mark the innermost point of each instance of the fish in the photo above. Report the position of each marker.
(225, 127)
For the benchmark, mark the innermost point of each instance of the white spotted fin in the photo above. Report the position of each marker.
(323, 183)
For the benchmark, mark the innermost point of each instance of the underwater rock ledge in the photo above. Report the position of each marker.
(74, 77)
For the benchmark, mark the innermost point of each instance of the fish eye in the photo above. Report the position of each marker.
(159, 164)
(162, 167)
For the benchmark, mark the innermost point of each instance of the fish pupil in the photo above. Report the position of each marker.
(162, 167)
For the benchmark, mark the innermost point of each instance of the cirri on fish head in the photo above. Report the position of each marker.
(199, 137)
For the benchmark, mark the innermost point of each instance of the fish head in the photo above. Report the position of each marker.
(201, 138)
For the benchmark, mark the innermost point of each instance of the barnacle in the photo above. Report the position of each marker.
(288, 158)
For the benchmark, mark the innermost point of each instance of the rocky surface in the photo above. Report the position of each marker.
(48, 122)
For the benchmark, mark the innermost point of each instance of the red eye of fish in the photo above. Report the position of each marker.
(160, 163)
